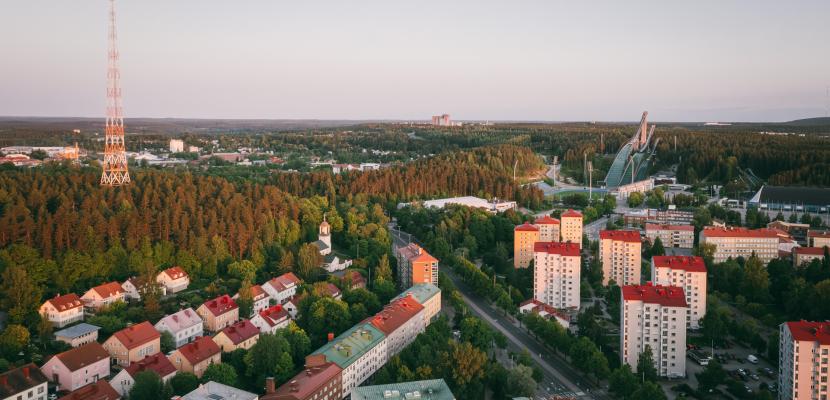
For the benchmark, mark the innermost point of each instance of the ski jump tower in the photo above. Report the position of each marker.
(634, 158)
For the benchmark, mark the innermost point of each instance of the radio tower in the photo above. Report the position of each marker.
(115, 158)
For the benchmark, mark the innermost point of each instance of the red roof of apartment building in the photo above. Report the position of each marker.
(174, 272)
(240, 331)
(66, 302)
(306, 383)
(274, 315)
(666, 296)
(666, 227)
(397, 313)
(199, 350)
(571, 214)
(83, 356)
(810, 331)
(812, 251)
(711, 231)
(109, 289)
(415, 253)
(685, 263)
(562, 248)
(527, 227)
(819, 234)
(100, 390)
(546, 220)
(221, 305)
(624, 236)
(158, 363)
(137, 335)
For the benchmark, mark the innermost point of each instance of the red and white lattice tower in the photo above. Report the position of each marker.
(115, 158)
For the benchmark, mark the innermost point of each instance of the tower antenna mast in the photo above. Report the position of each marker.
(115, 158)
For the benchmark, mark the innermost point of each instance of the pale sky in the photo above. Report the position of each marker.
(387, 59)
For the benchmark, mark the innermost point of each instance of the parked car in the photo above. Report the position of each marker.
(754, 377)
(768, 372)
(751, 358)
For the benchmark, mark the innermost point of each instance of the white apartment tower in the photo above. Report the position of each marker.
(620, 253)
(548, 228)
(803, 354)
(571, 227)
(556, 274)
(654, 316)
(686, 272)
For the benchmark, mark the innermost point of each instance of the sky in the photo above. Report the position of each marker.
(709, 60)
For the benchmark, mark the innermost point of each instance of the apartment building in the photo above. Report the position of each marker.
(218, 313)
(133, 343)
(654, 316)
(548, 228)
(416, 266)
(78, 367)
(401, 321)
(433, 389)
(741, 242)
(819, 238)
(805, 255)
(556, 274)
(63, 310)
(241, 335)
(804, 349)
(680, 236)
(320, 380)
(524, 237)
(359, 352)
(184, 325)
(620, 253)
(685, 272)
(124, 380)
(571, 228)
(195, 357)
(428, 295)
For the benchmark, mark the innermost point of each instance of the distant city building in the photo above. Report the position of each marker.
(625, 191)
(494, 206)
(805, 255)
(661, 217)
(216, 391)
(63, 310)
(571, 227)
(819, 238)
(802, 360)
(176, 145)
(184, 325)
(620, 253)
(442, 120)
(792, 198)
(654, 317)
(685, 272)
(78, 335)
(78, 367)
(416, 266)
(26, 382)
(681, 236)
(434, 389)
(545, 311)
(133, 343)
(556, 274)
(20, 160)
(524, 237)
(741, 242)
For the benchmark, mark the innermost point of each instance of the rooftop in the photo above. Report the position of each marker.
(546, 220)
(220, 305)
(801, 195)
(83, 356)
(809, 331)
(240, 331)
(571, 214)
(77, 330)
(711, 231)
(158, 363)
(566, 249)
(624, 235)
(819, 234)
(415, 253)
(434, 389)
(812, 251)
(100, 390)
(685, 263)
(422, 292)
(110, 289)
(66, 302)
(666, 296)
(284, 281)
(527, 227)
(352, 344)
(302, 385)
(182, 319)
(274, 315)
(665, 227)
(217, 391)
(137, 335)
(20, 379)
(540, 307)
(396, 314)
(174, 272)
(199, 350)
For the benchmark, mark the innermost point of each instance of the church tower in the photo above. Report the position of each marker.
(324, 234)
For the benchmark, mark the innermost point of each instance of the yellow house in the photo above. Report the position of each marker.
(196, 356)
(133, 343)
(241, 335)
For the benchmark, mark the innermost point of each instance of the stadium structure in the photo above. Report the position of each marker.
(634, 159)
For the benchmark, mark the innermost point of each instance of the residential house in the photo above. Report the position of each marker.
(102, 296)
(260, 298)
(78, 367)
(281, 288)
(195, 357)
(214, 390)
(124, 380)
(241, 335)
(26, 382)
(271, 319)
(133, 343)
(174, 279)
(78, 335)
(185, 326)
(219, 313)
(100, 390)
(135, 287)
(63, 310)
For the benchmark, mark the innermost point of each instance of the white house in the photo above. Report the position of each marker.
(124, 380)
(185, 326)
(271, 319)
(282, 287)
(174, 279)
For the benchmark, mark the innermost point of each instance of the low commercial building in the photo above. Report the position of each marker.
(654, 316)
(571, 227)
(556, 274)
(620, 253)
(805, 255)
(26, 382)
(100, 390)
(416, 266)
(271, 319)
(320, 380)
(359, 352)
(124, 380)
(524, 237)
(681, 236)
(215, 391)
(802, 360)
(133, 343)
(195, 357)
(78, 367)
(241, 335)
(741, 242)
(797, 232)
(792, 198)
(78, 335)
(102, 296)
(433, 389)
(184, 325)
(684, 272)
(63, 310)
(494, 206)
(429, 296)
(218, 313)
(173, 279)
(281, 288)
(545, 311)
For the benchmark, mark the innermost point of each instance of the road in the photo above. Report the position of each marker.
(592, 229)
(560, 378)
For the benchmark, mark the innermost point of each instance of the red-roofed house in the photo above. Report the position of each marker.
(241, 335)
(102, 296)
(259, 297)
(688, 273)
(63, 310)
(416, 266)
(321, 380)
(556, 274)
(524, 236)
(803, 353)
(354, 280)
(174, 279)
(282, 287)
(135, 287)
(25, 382)
(654, 316)
(271, 319)
(78, 367)
(680, 236)
(124, 380)
(548, 228)
(741, 242)
(100, 390)
(133, 343)
(545, 311)
(620, 253)
(571, 227)
(218, 313)
(401, 321)
(805, 255)
(195, 357)
(333, 291)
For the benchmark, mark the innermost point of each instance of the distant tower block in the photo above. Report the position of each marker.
(115, 158)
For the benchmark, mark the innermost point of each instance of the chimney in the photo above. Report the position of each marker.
(26, 372)
(330, 336)
(270, 385)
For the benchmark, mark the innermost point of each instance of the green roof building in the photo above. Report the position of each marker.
(433, 389)
(359, 351)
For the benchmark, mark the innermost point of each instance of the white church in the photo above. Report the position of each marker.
(331, 262)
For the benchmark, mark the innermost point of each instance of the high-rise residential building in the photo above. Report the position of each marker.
(524, 237)
(620, 253)
(741, 242)
(571, 227)
(548, 228)
(681, 236)
(556, 274)
(416, 266)
(686, 272)
(655, 317)
(803, 352)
